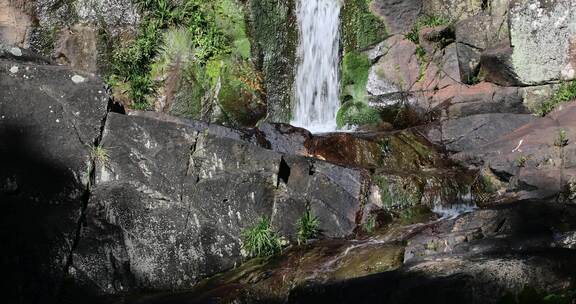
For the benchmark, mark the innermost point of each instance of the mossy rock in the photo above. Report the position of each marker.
(354, 113)
(369, 261)
(355, 70)
(273, 32)
(360, 27)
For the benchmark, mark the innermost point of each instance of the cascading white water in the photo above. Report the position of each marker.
(317, 81)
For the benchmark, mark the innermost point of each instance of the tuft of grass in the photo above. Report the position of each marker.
(100, 155)
(562, 139)
(261, 240)
(566, 92)
(424, 21)
(521, 161)
(370, 225)
(308, 227)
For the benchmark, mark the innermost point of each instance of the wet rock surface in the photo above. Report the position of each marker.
(482, 262)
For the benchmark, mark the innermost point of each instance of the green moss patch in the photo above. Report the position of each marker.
(357, 114)
(360, 27)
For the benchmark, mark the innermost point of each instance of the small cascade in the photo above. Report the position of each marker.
(317, 80)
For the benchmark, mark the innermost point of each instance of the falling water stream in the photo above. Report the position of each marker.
(317, 81)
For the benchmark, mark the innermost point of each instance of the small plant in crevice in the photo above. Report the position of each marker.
(260, 240)
(562, 139)
(100, 155)
(370, 224)
(424, 21)
(521, 161)
(565, 93)
(568, 193)
(308, 227)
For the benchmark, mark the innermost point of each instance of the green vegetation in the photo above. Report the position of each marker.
(566, 92)
(370, 225)
(100, 155)
(397, 195)
(568, 193)
(562, 139)
(198, 53)
(360, 27)
(521, 161)
(261, 240)
(424, 21)
(355, 70)
(308, 227)
(357, 114)
(355, 110)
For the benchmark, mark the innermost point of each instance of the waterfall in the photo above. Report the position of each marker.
(317, 83)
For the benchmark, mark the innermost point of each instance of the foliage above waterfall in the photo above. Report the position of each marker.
(184, 54)
(360, 27)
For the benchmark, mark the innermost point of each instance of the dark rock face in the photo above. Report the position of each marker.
(48, 124)
(171, 200)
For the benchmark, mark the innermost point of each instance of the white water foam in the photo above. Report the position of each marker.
(317, 81)
(464, 205)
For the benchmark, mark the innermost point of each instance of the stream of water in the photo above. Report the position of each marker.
(317, 79)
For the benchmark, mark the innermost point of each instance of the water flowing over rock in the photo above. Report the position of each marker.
(317, 83)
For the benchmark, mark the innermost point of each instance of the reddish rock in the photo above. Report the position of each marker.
(536, 159)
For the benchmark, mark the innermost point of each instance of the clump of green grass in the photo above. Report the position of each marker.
(100, 155)
(566, 92)
(132, 64)
(261, 240)
(308, 227)
(424, 21)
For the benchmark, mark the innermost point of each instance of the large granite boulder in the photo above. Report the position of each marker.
(536, 27)
(50, 117)
(172, 198)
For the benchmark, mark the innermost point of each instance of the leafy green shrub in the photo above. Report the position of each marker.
(261, 240)
(357, 114)
(424, 21)
(566, 92)
(308, 227)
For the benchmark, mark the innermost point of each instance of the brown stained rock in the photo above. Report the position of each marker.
(397, 70)
(547, 166)
(15, 21)
(77, 47)
(440, 71)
